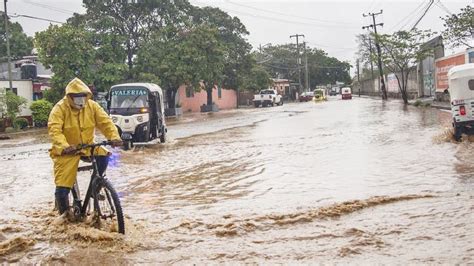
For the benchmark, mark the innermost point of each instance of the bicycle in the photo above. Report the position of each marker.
(106, 202)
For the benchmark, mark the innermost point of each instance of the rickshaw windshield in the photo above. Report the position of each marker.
(317, 92)
(129, 97)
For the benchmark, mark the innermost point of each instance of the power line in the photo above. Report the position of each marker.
(286, 21)
(372, 4)
(332, 47)
(417, 9)
(418, 12)
(426, 11)
(443, 7)
(57, 9)
(286, 14)
(15, 15)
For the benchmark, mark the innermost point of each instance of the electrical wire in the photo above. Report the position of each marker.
(15, 15)
(57, 9)
(422, 16)
(331, 46)
(286, 14)
(443, 7)
(414, 13)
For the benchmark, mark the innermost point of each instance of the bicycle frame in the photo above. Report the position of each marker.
(80, 209)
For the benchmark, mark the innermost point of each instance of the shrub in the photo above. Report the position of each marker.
(427, 105)
(52, 95)
(41, 110)
(14, 104)
(20, 123)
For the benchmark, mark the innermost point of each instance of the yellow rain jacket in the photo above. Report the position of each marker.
(68, 126)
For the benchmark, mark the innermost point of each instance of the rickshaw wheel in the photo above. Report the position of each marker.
(127, 145)
(163, 136)
(457, 133)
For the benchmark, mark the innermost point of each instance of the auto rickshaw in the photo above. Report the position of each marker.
(138, 112)
(346, 93)
(319, 95)
(461, 92)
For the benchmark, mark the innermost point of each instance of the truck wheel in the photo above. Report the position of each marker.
(256, 104)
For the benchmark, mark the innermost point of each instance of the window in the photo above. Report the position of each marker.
(471, 84)
(189, 92)
(129, 97)
(219, 92)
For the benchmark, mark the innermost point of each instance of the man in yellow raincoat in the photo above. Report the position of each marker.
(72, 122)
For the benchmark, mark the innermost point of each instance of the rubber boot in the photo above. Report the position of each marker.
(62, 199)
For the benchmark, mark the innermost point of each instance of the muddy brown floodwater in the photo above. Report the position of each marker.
(337, 182)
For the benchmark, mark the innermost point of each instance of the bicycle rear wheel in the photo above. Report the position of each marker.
(108, 208)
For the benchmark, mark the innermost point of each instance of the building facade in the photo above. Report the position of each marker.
(191, 101)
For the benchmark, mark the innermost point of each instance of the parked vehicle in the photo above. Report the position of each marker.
(319, 95)
(306, 96)
(461, 92)
(266, 98)
(346, 93)
(334, 91)
(138, 112)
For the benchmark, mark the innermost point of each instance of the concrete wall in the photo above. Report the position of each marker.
(371, 87)
(228, 99)
(24, 89)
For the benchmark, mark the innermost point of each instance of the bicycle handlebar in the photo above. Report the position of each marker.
(103, 143)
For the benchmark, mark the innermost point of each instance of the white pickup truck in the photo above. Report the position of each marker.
(266, 98)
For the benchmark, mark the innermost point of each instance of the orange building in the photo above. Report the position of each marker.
(192, 101)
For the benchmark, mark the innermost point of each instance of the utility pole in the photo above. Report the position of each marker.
(371, 63)
(358, 75)
(379, 53)
(7, 35)
(298, 59)
(306, 68)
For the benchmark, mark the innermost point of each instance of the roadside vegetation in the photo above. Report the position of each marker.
(404, 49)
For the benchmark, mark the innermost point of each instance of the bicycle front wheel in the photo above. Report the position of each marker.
(108, 208)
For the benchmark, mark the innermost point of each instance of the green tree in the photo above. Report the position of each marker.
(167, 59)
(280, 61)
(208, 58)
(133, 22)
(232, 34)
(72, 51)
(459, 28)
(402, 51)
(192, 57)
(14, 104)
(257, 79)
(20, 43)
(69, 52)
(40, 110)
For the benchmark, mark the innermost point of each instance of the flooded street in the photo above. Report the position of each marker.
(339, 182)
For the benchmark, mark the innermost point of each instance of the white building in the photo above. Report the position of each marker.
(23, 88)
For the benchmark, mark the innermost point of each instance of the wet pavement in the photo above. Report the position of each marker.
(337, 182)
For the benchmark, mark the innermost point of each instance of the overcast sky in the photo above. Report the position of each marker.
(329, 25)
